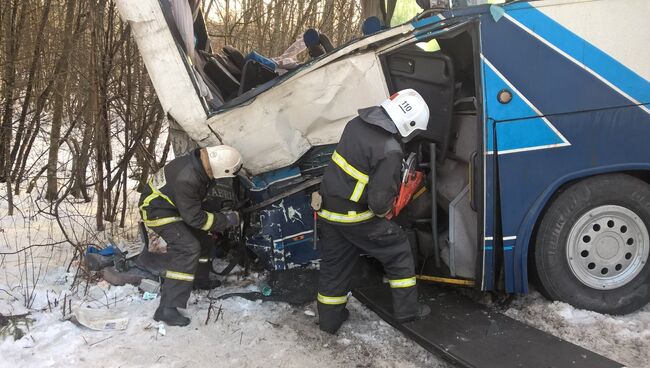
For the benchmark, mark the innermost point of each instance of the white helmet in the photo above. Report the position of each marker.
(225, 161)
(408, 111)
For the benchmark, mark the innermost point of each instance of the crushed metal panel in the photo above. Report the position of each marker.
(165, 66)
(283, 123)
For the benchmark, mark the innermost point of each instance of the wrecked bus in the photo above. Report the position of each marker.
(538, 168)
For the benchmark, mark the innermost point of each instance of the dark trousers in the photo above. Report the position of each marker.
(341, 246)
(188, 257)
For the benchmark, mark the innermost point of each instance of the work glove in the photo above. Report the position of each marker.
(232, 218)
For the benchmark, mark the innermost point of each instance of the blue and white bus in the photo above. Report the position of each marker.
(540, 161)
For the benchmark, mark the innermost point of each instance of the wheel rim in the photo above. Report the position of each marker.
(607, 247)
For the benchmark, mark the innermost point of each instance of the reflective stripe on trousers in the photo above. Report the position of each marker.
(402, 283)
(182, 276)
(332, 300)
(362, 179)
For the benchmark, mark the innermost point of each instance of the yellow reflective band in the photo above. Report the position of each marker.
(208, 222)
(332, 300)
(161, 221)
(358, 190)
(179, 276)
(362, 179)
(159, 193)
(349, 169)
(402, 283)
(204, 260)
(145, 203)
(350, 217)
(419, 192)
(155, 193)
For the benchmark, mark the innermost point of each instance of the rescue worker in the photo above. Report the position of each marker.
(358, 191)
(171, 206)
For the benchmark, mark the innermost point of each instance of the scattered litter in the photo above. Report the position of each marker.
(310, 313)
(151, 286)
(265, 288)
(161, 330)
(101, 319)
(149, 296)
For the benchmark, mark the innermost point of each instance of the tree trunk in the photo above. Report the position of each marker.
(57, 117)
(34, 63)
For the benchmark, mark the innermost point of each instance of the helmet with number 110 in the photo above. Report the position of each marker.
(225, 161)
(408, 111)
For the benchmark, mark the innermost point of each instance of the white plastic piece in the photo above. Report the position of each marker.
(102, 319)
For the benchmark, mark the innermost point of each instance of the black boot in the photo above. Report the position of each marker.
(332, 325)
(422, 312)
(171, 316)
(206, 284)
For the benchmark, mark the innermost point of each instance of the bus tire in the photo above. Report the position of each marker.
(591, 248)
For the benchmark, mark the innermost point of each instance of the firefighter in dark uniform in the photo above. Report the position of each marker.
(358, 191)
(171, 206)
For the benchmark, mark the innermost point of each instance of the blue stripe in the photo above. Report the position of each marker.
(603, 64)
(549, 80)
(425, 21)
(521, 134)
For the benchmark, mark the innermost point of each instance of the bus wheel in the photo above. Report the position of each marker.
(592, 245)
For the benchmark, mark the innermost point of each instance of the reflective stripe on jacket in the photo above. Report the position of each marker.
(176, 193)
(363, 178)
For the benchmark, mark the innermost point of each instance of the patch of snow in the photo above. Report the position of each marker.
(625, 339)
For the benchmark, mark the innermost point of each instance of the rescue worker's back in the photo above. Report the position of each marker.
(358, 190)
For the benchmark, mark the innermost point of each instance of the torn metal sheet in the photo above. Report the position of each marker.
(287, 120)
(166, 66)
(274, 129)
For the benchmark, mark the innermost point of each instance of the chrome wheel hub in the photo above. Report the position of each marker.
(607, 247)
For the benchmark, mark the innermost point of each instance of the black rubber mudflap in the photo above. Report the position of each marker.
(469, 334)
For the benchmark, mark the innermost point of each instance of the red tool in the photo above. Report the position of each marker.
(411, 182)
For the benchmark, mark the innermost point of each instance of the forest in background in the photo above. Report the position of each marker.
(79, 117)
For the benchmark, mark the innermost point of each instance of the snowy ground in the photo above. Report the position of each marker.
(247, 334)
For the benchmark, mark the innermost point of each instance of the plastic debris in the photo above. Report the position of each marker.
(109, 250)
(265, 288)
(148, 285)
(101, 319)
(161, 330)
(149, 296)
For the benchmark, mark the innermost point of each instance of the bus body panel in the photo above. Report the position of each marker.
(576, 110)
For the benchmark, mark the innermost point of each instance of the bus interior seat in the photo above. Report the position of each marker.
(221, 76)
(254, 74)
(235, 56)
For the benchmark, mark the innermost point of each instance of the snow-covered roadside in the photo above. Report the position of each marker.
(247, 334)
(625, 339)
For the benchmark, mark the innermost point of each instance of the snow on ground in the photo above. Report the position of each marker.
(625, 339)
(247, 334)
